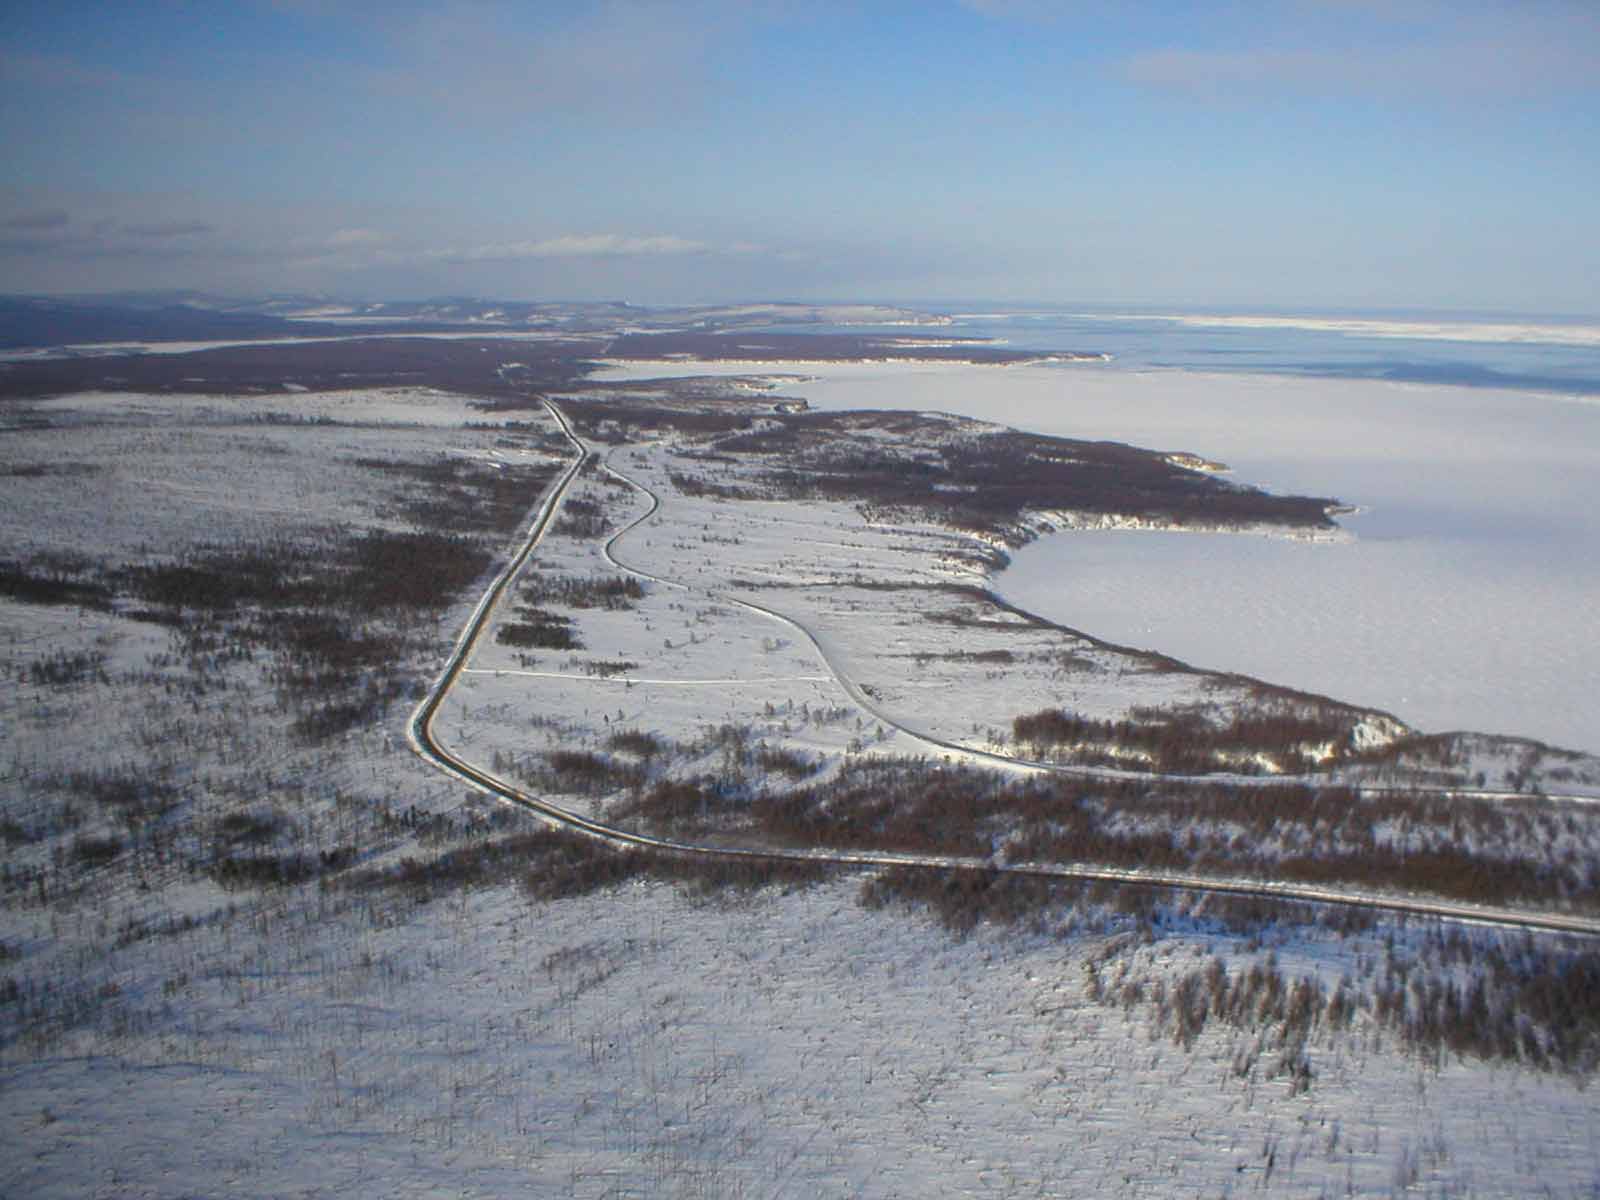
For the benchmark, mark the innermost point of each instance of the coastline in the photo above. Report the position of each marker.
(1470, 580)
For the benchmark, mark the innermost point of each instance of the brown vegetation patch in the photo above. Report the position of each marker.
(1187, 742)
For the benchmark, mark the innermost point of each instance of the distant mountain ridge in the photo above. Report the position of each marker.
(30, 322)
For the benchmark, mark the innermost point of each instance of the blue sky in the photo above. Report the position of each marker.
(1269, 153)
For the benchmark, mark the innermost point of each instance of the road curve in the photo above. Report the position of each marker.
(987, 758)
(422, 739)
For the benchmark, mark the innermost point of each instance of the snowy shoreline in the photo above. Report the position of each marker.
(1458, 594)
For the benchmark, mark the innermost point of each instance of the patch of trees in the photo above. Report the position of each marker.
(264, 870)
(998, 658)
(67, 668)
(1529, 1004)
(48, 470)
(500, 374)
(1472, 850)
(378, 570)
(536, 627)
(641, 745)
(958, 473)
(129, 797)
(465, 495)
(42, 581)
(808, 347)
(582, 518)
(778, 760)
(1185, 742)
(697, 487)
(338, 613)
(1478, 994)
(362, 704)
(538, 630)
(1523, 1001)
(583, 773)
(611, 592)
(618, 417)
(962, 898)
(96, 851)
(987, 480)
(554, 864)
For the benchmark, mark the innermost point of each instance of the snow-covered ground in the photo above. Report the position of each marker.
(640, 1043)
(1465, 601)
(301, 1040)
(761, 610)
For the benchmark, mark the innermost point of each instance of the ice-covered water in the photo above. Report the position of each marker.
(1469, 596)
(1558, 354)
(1445, 636)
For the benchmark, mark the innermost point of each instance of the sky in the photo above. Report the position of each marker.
(1314, 155)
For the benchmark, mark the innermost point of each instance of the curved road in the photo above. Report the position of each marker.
(420, 735)
(1009, 762)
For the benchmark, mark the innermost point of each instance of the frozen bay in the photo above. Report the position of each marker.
(1466, 597)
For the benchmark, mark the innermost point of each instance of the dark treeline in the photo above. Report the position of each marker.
(1187, 743)
(1473, 850)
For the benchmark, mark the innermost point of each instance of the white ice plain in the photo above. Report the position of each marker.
(1465, 600)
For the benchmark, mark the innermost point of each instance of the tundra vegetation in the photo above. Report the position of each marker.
(220, 853)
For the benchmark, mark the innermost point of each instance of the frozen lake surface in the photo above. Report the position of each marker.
(1468, 597)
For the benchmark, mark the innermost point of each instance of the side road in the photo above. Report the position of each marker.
(420, 735)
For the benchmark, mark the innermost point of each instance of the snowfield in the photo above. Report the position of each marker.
(1463, 599)
(169, 1028)
(638, 1042)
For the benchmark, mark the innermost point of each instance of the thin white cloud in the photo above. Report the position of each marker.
(496, 60)
(1411, 52)
(1482, 70)
(53, 232)
(593, 245)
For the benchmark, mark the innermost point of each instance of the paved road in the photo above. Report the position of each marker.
(420, 734)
